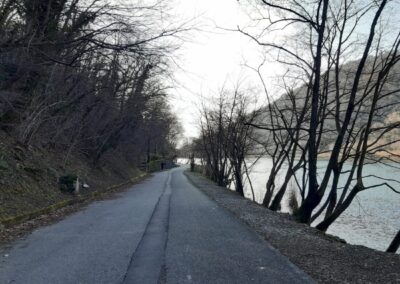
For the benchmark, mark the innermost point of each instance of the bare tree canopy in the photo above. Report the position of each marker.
(88, 75)
(226, 139)
(339, 104)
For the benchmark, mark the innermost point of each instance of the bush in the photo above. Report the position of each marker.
(155, 157)
(66, 183)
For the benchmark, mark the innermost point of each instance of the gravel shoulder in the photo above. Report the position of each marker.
(325, 258)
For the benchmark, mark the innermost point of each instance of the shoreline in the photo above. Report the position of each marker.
(324, 257)
(371, 220)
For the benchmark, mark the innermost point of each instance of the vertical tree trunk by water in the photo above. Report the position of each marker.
(313, 198)
(395, 244)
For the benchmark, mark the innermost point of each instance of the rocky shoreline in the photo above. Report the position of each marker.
(325, 258)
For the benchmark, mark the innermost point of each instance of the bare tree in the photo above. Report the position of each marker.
(67, 63)
(338, 98)
(395, 244)
(227, 137)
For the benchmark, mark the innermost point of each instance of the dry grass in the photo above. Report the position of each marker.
(29, 176)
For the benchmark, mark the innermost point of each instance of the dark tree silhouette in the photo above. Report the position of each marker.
(336, 104)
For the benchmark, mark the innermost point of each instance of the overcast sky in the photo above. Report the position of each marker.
(213, 57)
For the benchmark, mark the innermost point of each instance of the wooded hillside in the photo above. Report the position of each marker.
(83, 92)
(85, 76)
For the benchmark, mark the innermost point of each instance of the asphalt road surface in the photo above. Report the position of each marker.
(163, 230)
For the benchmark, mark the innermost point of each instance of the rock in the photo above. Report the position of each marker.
(85, 185)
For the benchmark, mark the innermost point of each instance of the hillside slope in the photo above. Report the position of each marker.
(387, 110)
(29, 176)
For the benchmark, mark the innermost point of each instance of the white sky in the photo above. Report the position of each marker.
(211, 57)
(214, 57)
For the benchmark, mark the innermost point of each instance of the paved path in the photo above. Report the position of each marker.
(163, 230)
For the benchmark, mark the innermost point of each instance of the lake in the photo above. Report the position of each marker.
(372, 219)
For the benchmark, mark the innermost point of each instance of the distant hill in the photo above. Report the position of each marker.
(388, 107)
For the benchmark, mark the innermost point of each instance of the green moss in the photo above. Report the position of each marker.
(33, 214)
(154, 165)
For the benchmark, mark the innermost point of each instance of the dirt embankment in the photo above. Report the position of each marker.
(325, 258)
(29, 176)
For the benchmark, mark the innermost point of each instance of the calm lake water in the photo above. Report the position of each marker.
(372, 219)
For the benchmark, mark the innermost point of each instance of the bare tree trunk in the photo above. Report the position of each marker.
(250, 183)
(324, 225)
(395, 244)
(313, 198)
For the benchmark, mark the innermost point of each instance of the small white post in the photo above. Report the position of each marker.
(76, 191)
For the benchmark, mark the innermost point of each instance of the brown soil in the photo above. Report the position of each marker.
(325, 258)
